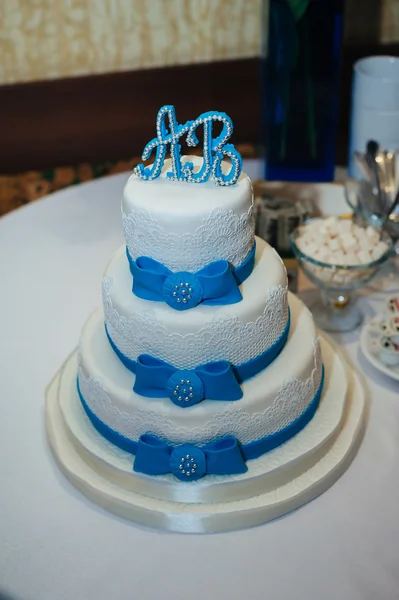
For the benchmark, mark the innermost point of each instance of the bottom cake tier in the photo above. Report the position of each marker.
(276, 483)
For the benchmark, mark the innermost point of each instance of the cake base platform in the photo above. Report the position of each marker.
(277, 483)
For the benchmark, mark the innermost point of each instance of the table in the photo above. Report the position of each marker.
(56, 545)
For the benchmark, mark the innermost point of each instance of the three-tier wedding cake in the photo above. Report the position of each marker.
(201, 397)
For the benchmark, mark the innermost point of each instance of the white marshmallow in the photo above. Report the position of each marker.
(348, 241)
(312, 226)
(303, 241)
(364, 256)
(301, 245)
(331, 223)
(339, 258)
(323, 230)
(379, 250)
(319, 239)
(334, 229)
(361, 234)
(345, 225)
(366, 245)
(372, 233)
(333, 244)
(330, 259)
(351, 259)
(311, 250)
(324, 254)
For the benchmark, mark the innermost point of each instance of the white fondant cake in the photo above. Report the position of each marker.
(202, 381)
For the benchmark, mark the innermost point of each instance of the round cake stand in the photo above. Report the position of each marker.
(334, 454)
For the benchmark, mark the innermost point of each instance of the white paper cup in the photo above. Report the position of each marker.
(375, 106)
(376, 83)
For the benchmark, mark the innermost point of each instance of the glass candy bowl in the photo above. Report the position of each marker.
(336, 310)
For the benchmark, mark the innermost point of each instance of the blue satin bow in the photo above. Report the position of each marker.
(189, 462)
(157, 379)
(216, 283)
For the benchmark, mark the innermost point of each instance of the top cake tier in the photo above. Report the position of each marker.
(186, 226)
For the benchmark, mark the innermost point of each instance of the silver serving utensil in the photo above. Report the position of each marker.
(390, 172)
(361, 162)
(362, 198)
(385, 160)
(372, 151)
(374, 161)
(391, 211)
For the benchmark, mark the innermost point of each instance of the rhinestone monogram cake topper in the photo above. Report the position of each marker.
(215, 149)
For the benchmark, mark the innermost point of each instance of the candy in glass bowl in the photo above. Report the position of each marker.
(339, 256)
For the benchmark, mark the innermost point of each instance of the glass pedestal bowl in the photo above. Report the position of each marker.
(336, 311)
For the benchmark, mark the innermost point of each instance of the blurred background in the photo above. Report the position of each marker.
(81, 80)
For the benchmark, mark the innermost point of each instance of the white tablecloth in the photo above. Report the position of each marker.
(56, 545)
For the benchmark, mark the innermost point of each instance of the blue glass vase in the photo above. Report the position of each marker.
(301, 77)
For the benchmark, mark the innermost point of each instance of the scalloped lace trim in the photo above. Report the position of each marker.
(293, 398)
(224, 338)
(223, 235)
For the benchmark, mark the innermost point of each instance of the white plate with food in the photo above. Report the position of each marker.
(379, 339)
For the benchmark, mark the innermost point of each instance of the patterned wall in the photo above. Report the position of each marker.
(389, 26)
(45, 39)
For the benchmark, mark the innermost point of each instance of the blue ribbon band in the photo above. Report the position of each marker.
(215, 284)
(216, 380)
(226, 456)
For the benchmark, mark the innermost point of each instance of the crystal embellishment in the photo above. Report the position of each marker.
(188, 463)
(185, 388)
(182, 291)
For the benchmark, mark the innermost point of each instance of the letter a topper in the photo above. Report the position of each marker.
(214, 149)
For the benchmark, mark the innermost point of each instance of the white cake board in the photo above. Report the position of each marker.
(216, 516)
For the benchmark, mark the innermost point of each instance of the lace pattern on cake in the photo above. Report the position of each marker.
(223, 338)
(293, 398)
(223, 235)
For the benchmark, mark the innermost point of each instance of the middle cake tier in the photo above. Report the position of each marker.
(237, 333)
(271, 401)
